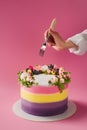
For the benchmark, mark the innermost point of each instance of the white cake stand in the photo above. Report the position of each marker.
(68, 113)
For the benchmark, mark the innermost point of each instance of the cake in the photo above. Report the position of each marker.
(44, 90)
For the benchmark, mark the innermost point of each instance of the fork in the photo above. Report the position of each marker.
(49, 38)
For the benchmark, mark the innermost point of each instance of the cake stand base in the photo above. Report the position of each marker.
(20, 113)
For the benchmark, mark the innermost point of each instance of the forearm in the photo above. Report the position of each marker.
(76, 44)
(63, 45)
(69, 44)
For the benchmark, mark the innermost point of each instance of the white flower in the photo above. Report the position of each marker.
(44, 68)
(61, 80)
(24, 75)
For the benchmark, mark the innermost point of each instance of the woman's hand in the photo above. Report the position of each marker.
(59, 44)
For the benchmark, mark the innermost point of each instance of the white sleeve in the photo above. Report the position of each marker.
(81, 41)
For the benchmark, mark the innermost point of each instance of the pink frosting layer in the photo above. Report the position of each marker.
(43, 89)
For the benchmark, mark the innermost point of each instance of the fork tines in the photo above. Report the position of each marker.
(42, 49)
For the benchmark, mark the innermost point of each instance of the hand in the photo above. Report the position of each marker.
(60, 44)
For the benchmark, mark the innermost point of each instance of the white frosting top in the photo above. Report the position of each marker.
(43, 79)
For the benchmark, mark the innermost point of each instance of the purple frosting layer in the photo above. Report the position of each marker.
(44, 109)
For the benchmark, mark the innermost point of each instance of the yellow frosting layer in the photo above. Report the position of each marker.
(44, 98)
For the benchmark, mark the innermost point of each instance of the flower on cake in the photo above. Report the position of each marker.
(37, 67)
(44, 68)
(24, 76)
(54, 79)
(26, 79)
(61, 70)
(60, 78)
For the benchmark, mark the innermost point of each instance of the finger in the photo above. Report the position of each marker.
(56, 48)
(50, 43)
(46, 34)
(52, 32)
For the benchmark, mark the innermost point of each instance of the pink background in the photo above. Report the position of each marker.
(22, 25)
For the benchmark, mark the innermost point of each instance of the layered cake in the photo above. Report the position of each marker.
(44, 90)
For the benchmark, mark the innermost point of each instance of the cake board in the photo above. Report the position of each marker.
(68, 113)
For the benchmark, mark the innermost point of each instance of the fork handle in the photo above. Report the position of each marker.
(53, 23)
(49, 37)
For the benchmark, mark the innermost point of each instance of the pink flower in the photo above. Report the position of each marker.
(55, 66)
(61, 70)
(60, 75)
(48, 71)
(68, 75)
(64, 76)
(37, 67)
(31, 67)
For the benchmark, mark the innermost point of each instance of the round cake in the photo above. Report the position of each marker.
(44, 90)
